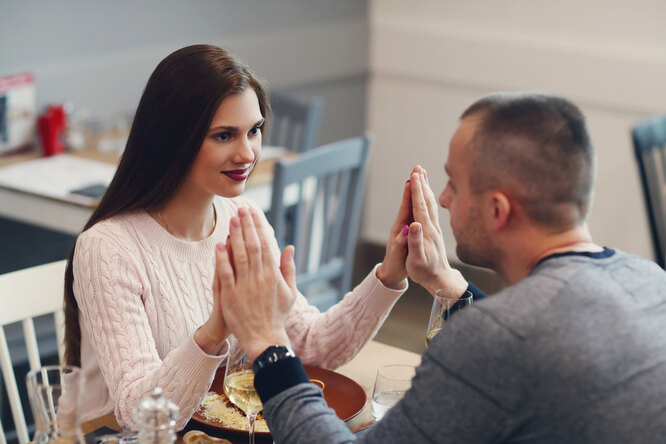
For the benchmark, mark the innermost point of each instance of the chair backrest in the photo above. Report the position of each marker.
(323, 223)
(294, 123)
(649, 139)
(27, 294)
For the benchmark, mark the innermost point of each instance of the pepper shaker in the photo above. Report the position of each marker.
(155, 417)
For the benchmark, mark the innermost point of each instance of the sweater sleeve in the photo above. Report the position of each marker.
(109, 288)
(333, 338)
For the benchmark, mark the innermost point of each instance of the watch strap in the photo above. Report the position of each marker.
(271, 355)
(278, 370)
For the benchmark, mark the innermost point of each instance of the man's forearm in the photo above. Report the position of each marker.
(300, 415)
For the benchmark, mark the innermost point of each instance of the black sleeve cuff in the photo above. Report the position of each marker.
(279, 376)
(477, 294)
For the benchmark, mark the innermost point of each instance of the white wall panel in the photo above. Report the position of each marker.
(431, 59)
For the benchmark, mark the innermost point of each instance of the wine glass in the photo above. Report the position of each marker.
(239, 384)
(442, 308)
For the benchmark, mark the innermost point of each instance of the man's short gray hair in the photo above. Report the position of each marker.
(537, 148)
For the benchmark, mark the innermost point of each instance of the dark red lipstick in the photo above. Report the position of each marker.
(237, 175)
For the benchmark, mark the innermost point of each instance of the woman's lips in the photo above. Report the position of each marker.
(237, 175)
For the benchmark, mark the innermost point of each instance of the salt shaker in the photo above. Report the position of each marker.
(155, 417)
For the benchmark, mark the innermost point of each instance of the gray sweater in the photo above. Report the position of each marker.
(574, 353)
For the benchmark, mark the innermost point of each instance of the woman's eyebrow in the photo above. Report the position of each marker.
(223, 127)
(234, 128)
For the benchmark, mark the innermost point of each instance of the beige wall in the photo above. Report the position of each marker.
(430, 59)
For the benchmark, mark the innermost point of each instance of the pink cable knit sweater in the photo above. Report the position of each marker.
(142, 293)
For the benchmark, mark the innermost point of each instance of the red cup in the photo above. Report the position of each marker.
(52, 125)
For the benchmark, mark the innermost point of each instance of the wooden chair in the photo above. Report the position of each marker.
(28, 294)
(294, 123)
(329, 183)
(649, 139)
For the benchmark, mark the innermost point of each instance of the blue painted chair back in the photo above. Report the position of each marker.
(329, 185)
(649, 139)
(294, 123)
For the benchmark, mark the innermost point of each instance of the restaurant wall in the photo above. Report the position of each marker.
(430, 59)
(99, 55)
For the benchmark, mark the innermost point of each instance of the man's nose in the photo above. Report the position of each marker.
(444, 199)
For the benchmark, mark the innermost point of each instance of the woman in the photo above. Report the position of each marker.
(139, 302)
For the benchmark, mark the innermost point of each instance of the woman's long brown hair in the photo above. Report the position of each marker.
(170, 124)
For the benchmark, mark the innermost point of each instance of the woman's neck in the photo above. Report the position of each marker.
(187, 219)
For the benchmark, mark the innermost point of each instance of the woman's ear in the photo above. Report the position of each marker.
(500, 210)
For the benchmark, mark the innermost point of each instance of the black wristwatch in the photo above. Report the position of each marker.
(271, 355)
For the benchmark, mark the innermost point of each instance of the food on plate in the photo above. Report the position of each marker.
(217, 407)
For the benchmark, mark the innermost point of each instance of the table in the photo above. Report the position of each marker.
(361, 369)
(70, 215)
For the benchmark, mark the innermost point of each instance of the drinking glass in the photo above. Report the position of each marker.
(442, 308)
(239, 384)
(390, 386)
(55, 392)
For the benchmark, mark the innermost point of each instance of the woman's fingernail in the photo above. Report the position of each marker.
(235, 222)
(242, 212)
(228, 237)
(405, 230)
(220, 247)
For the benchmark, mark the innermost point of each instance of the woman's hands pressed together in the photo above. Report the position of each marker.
(255, 291)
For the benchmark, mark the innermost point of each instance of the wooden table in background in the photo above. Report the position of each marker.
(262, 173)
(70, 215)
(361, 369)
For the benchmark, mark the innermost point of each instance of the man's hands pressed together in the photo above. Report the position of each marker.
(256, 292)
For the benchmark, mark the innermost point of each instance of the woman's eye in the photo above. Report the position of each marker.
(255, 131)
(223, 137)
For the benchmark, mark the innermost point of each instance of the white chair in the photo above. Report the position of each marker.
(27, 294)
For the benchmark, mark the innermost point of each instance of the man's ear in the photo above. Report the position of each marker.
(500, 210)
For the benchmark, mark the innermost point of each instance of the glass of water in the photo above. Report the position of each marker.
(390, 386)
(55, 398)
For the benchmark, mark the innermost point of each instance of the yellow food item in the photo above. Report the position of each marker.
(217, 407)
(198, 437)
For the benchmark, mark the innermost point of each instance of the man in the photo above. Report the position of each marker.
(573, 350)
